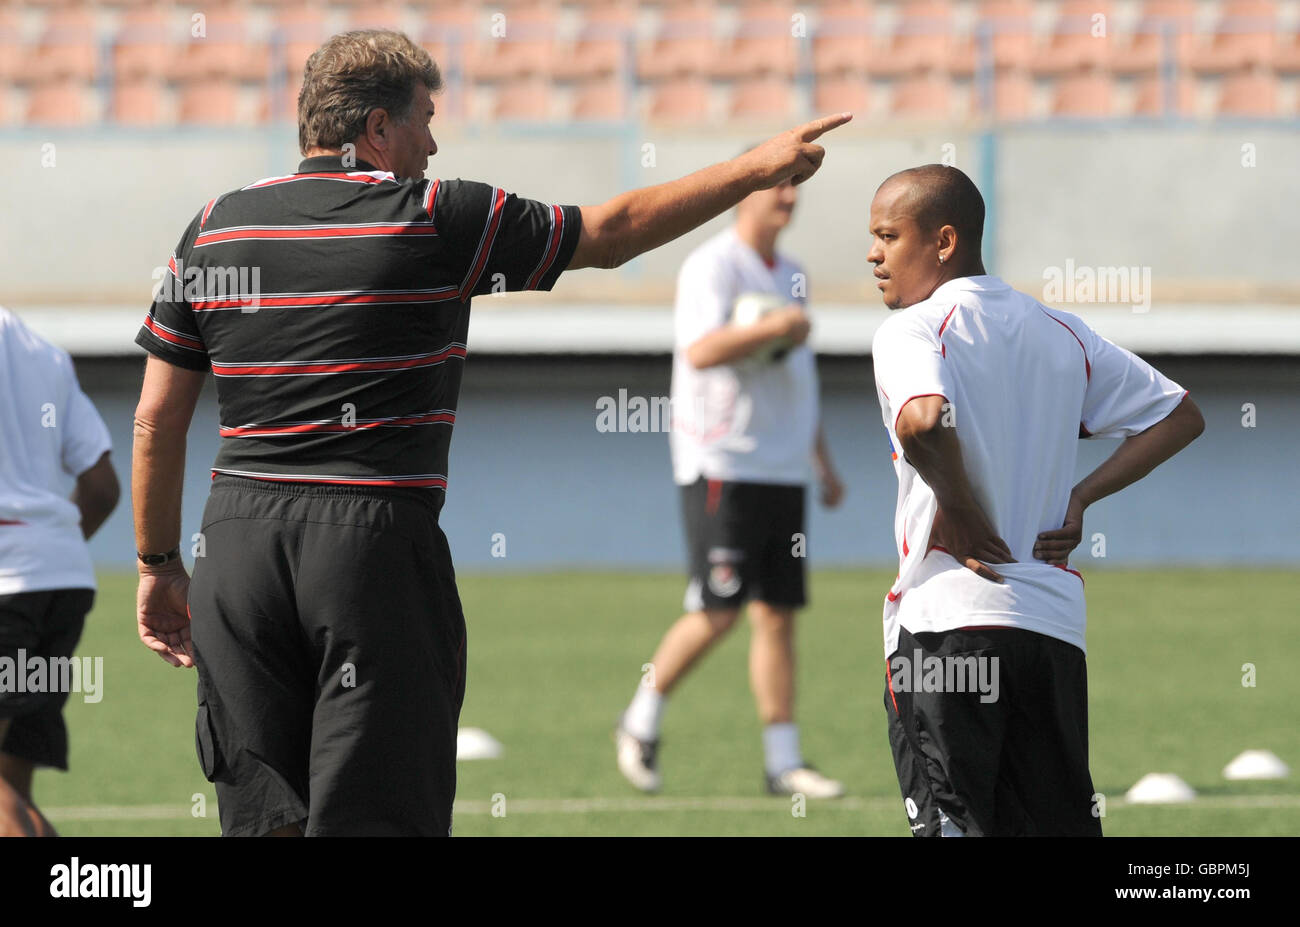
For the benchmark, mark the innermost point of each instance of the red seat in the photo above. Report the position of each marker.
(1011, 95)
(1086, 92)
(762, 44)
(60, 101)
(1249, 92)
(924, 94)
(843, 40)
(529, 99)
(527, 47)
(842, 93)
(1163, 30)
(137, 100)
(1156, 96)
(1005, 29)
(600, 99)
(923, 39)
(765, 97)
(685, 44)
(214, 102)
(1079, 38)
(1245, 35)
(681, 100)
(603, 44)
(143, 44)
(66, 47)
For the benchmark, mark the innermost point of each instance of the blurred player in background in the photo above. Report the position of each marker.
(746, 434)
(49, 433)
(985, 392)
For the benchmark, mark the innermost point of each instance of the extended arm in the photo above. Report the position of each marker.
(641, 220)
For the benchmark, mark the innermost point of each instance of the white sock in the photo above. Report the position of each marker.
(781, 747)
(642, 717)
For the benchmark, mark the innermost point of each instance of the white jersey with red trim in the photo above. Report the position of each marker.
(747, 421)
(1023, 383)
(50, 434)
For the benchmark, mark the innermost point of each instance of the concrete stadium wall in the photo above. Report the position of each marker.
(92, 225)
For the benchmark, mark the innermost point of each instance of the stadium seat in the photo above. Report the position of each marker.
(528, 99)
(60, 101)
(846, 92)
(600, 99)
(374, 16)
(762, 44)
(924, 94)
(765, 97)
(224, 49)
(213, 102)
(683, 100)
(1008, 26)
(137, 100)
(299, 30)
(1246, 34)
(842, 39)
(528, 47)
(1248, 92)
(1086, 92)
(684, 44)
(923, 38)
(1156, 96)
(604, 43)
(1072, 44)
(1287, 59)
(11, 46)
(1010, 95)
(1164, 29)
(66, 47)
(143, 44)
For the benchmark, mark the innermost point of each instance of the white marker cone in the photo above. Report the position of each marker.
(1256, 764)
(1159, 788)
(473, 743)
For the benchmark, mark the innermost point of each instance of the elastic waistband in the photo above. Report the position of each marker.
(430, 498)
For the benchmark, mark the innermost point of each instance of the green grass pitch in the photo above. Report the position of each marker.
(553, 659)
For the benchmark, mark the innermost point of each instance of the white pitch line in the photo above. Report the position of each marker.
(652, 804)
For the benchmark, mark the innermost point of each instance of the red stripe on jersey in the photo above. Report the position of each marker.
(405, 421)
(351, 177)
(485, 245)
(262, 233)
(1068, 570)
(302, 300)
(904, 542)
(172, 337)
(943, 348)
(889, 679)
(1087, 367)
(714, 497)
(207, 211)
(327, 367)
(552, 248)
(171, 265)
(436, 482)
(430, 198)
(11, 521)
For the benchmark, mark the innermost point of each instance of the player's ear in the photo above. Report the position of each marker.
(377, 128)
(947, 241)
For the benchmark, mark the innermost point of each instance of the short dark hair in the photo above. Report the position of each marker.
(354, 73)
(939, 195)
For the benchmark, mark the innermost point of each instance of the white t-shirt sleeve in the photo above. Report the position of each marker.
(704, 297)
(909, 363)
(1125, 394)
(85, 436)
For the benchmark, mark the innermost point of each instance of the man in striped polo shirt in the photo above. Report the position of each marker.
(332, 306)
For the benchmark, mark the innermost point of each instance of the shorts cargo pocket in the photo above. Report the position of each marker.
(205, 743)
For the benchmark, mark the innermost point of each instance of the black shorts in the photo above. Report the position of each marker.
(45, 624)
(330, 646)
(745, 541)
(1002, 750)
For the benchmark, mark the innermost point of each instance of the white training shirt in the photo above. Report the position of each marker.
(749, 421)
(50, 434)
(1025, 383)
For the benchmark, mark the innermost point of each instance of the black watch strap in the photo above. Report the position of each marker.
(159, 559)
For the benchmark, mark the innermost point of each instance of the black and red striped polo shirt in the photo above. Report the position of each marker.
(332, 305)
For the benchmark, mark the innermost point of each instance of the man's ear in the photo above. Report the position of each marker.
(377, 129)
(947, 238)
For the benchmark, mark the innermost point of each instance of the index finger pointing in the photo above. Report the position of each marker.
(818, 127)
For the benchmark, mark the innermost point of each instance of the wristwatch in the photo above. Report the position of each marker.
(159, 559)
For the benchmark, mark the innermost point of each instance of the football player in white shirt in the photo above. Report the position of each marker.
(984, 394)
(745, 442)
(51, 439)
